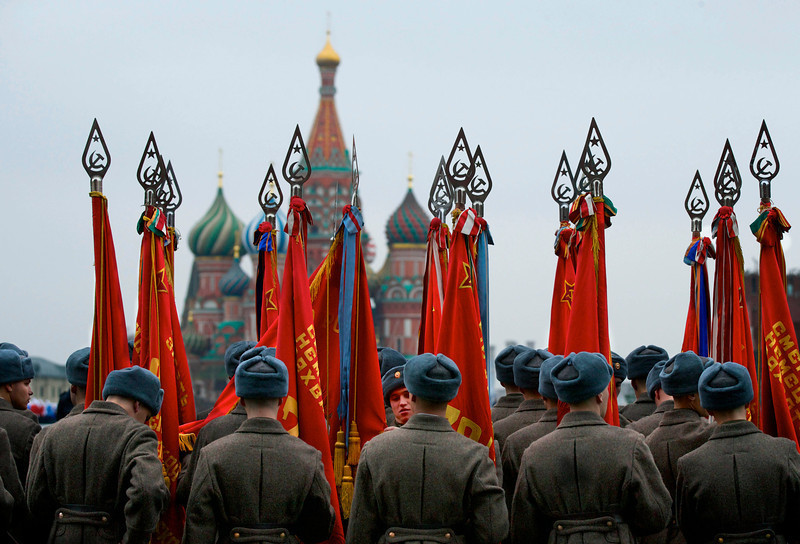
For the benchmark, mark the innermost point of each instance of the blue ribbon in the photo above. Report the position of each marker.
(702, 310)
(265, 243)
(350, 235)
(482, 277)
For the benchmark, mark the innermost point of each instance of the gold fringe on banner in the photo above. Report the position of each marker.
(354, 448)
(346, 496)
(186, 442)
(323, 274)
(339, 457)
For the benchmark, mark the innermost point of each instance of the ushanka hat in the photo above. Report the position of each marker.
(15, 367)
(135, 383)
(527, 366)
(546, 388)
(504, 363)
(78, 367)
(725, 386)
(432, 377)
(681, 374)
(391, 381)
(644, 358)
(261, 376)
(234, 354)
(580, 376)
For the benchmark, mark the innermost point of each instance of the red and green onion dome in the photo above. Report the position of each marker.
(234, 283)
(195, 343)
(216, 234)
(409, 223)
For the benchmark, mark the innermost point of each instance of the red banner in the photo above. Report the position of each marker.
(302, 410)
(461, 339)
(154, 349)
(731, 338)
(779, 354)
(563, 288)
(696, 336)
(109, 349)
(588, 322)
(268, 290)
(433, 285)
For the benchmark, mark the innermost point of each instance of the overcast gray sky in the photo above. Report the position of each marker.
(667, 81)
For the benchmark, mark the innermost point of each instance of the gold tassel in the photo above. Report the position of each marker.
(346, 497)
(354, 450)
(186, 442)
(338, 457)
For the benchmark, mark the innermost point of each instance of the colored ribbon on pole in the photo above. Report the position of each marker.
(698, 320)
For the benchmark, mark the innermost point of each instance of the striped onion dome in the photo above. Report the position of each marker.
(195, 342)
(234, 283)
(409, 223)
(217, 232)
(281, 237)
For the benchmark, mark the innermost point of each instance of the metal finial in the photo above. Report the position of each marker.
(460, 168)
(296, 166)
(96, 157)
(595, 161)
(270, 197)
(168, 195)
(727, 180)
(563, 190)
(764, 164)
(480, 185)
(150, 174)
(440, 201)
(354, 181)
(697, 202)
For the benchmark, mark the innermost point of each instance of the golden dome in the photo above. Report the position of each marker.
(328, 57)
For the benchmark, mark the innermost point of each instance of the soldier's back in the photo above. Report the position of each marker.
(21, 429)
(588, 472)
(515, 446)
(258, 476)
(529, 412)
(505, 406)
(740, 481)
(101, 460)
(427, 475)
(642, 407)
(648, 424)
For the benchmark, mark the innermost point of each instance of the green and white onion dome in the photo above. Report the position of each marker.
(281, 238)
(216, 234)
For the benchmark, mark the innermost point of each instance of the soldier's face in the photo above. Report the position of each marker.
(400, 402)
(20, 393)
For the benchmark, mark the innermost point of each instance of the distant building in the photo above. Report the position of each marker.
(50, 380)
(219, 308)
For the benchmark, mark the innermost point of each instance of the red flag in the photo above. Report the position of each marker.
(779, 355)
(588, 321)
(698, 320)
(433, 285)
(109, 349)
(154, 349)
(562, 289)
(268, 290)
(731, 338)
(302, 410)
(461, 339)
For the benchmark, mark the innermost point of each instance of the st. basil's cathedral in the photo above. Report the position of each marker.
(220, 303)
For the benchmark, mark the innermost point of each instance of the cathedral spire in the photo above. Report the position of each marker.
(326, 145)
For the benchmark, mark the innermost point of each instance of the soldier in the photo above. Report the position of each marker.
(221, 426)
(259, 484)
(396, 396)
(640, 362)
(504, 371)
(77, 369)
(16, 373)
(518, 442)
(231, 360)
(97, 477)
(526, 377)
(424, 482)
(389, 358)
(13, 510)
(681, 430)
(620, 367)
(664, 402)
(587, 481)
(741, 485)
